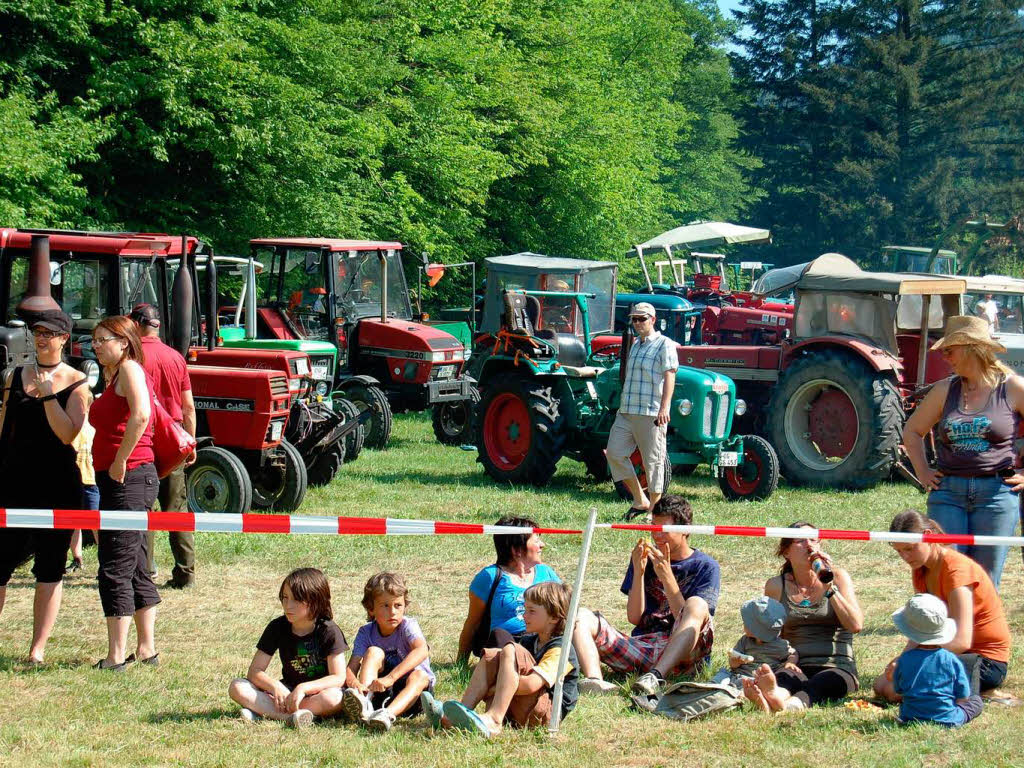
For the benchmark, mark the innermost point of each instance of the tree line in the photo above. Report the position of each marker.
(570, 127)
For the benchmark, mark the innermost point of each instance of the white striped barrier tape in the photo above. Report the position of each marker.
(218, 522)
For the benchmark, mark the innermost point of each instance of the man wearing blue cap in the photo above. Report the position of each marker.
(642, 420)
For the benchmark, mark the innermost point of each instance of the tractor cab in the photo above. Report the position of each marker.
(561, 304)
(910, 258)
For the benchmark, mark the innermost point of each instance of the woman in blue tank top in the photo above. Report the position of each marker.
(975, 414)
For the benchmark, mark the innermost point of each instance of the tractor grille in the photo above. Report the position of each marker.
(716, 412)
(723, 416)
(278, 386)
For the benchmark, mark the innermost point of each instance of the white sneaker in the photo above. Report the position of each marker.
(248, 715)
(381, 720)
(648, 684)
(356, 706)
(300, 718)
(597, 686)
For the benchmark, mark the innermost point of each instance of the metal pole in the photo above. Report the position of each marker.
(570, 623)
(643, 266)
(922, 354)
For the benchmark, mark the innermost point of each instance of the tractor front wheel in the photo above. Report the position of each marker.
(453, 421)
(353, 440)
(372, 398)
(326, 465)
(281, 484)
(217, 482)
(520, 431)
(757, 477)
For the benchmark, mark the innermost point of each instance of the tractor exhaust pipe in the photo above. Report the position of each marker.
(211, 303)
(181, 298)
(37, 297)
(250, 303)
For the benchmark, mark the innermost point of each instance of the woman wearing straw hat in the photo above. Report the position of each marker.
(975, 414)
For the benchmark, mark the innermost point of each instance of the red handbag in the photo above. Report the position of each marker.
(172, 444)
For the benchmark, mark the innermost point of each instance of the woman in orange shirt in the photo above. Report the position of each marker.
(967, 590)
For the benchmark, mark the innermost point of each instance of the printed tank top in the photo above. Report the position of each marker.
(975, 442)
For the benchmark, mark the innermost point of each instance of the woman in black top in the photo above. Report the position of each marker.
(44, 406)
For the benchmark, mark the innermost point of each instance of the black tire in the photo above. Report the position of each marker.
(597, 464)
(666, 468)
(453, 421)
(353, 440)
(758, 476)
(368, 396)
(877, 416)
(217, 482)
(327, 464)
(281, 488)
(684, 470)
(514, 404)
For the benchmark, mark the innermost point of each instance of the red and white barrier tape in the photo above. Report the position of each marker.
(821, 533)
(214, 522)
(217, 522)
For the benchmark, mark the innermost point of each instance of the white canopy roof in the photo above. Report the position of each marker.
(707, 234)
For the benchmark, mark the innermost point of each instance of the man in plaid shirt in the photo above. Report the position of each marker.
(643, 414)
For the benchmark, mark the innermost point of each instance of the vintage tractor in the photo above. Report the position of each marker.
(352, 293)
(543, 395)
(326, 431)
(242, 413)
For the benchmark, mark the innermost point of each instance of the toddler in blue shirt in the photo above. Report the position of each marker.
(931, 680)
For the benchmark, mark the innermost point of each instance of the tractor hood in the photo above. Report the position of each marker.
(405, 336)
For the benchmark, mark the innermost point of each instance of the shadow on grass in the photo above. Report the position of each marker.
(193, 717)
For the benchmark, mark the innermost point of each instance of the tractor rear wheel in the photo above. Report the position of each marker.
(368, 396)
(520, 431)
(281, 487)
(326, 465)
(641, 474)
(596, 462)
(353, 440)
(453, 421)
(835, 422)
(217, 482)
(757, 477)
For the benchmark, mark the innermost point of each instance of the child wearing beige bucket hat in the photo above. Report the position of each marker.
(973, 485)
(931, 680)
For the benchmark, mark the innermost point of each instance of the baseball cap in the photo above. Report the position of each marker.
(51, 319)
(642, 309)
(145, 315)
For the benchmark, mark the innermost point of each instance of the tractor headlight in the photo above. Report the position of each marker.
(322, 389)
(685, 407)
(741, 406)
(437, 357)
(91, 369)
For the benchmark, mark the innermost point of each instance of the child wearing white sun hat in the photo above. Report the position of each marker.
(932, 681)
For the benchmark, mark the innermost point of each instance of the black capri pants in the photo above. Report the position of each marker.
(823, 684)
(49, 549)
(124, 581)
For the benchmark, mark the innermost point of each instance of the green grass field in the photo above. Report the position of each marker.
(179, 714)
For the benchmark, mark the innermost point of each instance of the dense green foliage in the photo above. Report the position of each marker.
(881, 122)
(465, 129)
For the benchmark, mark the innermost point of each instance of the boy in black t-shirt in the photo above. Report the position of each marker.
(312, 650)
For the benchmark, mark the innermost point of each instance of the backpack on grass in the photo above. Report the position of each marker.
(687, 701)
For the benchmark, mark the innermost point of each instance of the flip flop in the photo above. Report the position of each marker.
(432, 709)
(465, 719)
(633, 513)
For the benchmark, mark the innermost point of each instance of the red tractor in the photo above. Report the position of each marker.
(353, 294)
(242, 413)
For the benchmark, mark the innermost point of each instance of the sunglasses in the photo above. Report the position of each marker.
(640, 319)
(45, 333)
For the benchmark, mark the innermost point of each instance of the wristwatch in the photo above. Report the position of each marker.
(829, 593)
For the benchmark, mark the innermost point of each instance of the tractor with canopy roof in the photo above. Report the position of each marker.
(352, 294)
(544, 395)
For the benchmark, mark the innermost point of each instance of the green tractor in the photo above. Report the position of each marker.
(545, 395)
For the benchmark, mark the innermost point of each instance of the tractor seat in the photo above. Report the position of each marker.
(582, 372)
(516, 317)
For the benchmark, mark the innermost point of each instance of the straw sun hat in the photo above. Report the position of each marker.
(966, 330)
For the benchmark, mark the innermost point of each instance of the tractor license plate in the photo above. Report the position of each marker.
(446, 371)
(729, 459)
(276, 429)
(320, 371)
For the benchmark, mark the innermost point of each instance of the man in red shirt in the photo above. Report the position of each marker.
(168, 375)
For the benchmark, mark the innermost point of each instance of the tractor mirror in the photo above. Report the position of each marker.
(55, 271)
(312, 263)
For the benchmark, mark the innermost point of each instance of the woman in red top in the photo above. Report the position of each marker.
(122, 455)
(981, 626)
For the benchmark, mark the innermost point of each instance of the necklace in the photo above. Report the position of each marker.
(45, 366)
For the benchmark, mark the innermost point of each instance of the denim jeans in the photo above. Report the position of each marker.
(983, 506)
